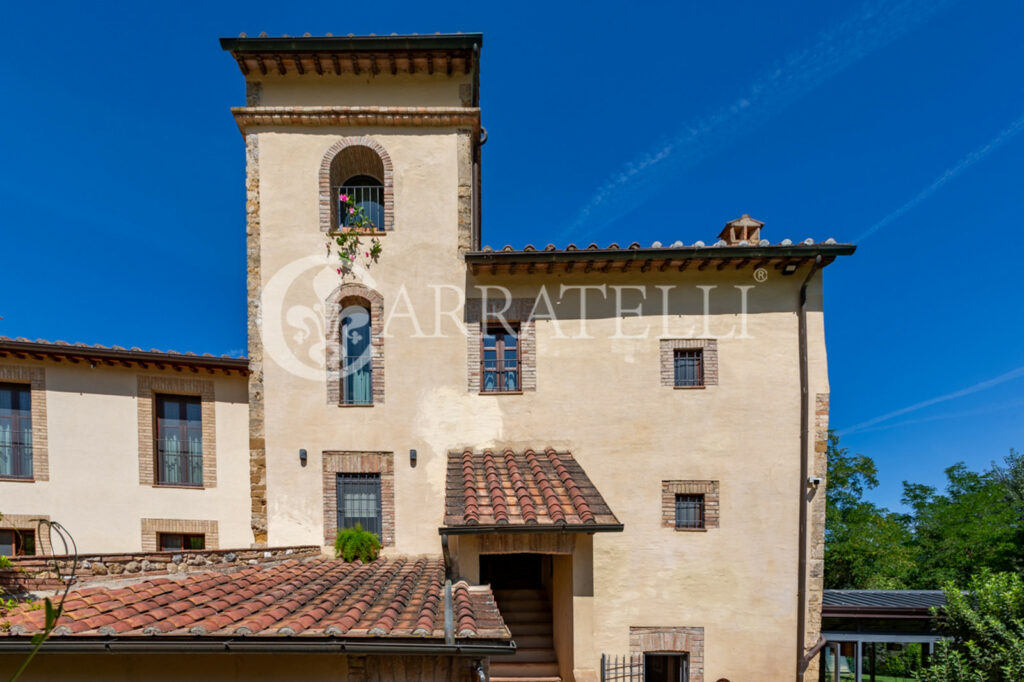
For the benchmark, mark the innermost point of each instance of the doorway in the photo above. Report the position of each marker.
(666, 668)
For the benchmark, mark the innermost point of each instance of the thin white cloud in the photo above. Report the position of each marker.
(962, 165)
(976, 412)
(875, 25)
(980, 386)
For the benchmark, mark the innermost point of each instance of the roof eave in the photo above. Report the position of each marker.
(54, 351)
(306, 44)
(482, 647)
(542, 529)
(829, 251)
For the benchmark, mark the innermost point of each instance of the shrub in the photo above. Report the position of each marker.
(356, 543)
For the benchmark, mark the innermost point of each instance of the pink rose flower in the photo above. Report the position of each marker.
(367, 254)
(351, 211)
(339, 271)
(344, 197)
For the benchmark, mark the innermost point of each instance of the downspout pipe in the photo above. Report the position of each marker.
(449, 614)
(805, 406)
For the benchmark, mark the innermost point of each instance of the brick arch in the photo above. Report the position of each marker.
(326, 198)
(345, 295)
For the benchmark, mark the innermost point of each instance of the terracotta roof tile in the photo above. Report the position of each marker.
(390, 597)
(542, 488)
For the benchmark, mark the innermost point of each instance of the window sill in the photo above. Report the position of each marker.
(689, 388)
(179, 486)
(355, 404)
(501, 392)
(16, 479)
(361, 232)
(690, 530)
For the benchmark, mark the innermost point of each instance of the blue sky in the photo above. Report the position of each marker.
(891, 123)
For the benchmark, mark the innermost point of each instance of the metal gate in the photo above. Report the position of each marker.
(622, 668)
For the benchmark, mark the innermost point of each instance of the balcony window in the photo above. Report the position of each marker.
(179, 443)
(363, 194)
(15, 431)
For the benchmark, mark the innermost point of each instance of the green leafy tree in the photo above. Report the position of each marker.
(866, 546)
(985, 625)
(968, 527)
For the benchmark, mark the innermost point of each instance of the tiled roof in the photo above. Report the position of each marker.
(116, 355)
(391, 597)
(884, 599)
(527, 489)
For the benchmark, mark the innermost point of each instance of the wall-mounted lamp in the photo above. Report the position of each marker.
(412, 458)
(302, 457)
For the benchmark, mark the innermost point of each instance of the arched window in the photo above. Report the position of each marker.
(356, 359)
(365, 194)
(356, 173)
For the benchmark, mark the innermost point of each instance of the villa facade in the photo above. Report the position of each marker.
(625, 444)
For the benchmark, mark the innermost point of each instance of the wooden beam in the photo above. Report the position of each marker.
(355, 63)
(512, 267)
(741, 263)
(551, 267)
(530, 268)
(280, 64)
(374, 69)
(412, 63)
(316, 64)
(474, 268)
(430, 64)
(467, 63)
(337, 64)
(664, 265)
(260, 63)
(297, 60)
(725, 261)
(448, 64)
(242, 65)
(570, 265)
(494, 268)
(627, 265)
(646, 266)
(607, 266)
(394, 66)
(589, 266)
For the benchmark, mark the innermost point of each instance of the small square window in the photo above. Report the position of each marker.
(171, 542)
(689, 367)
(499, 359)
(17, 543)
(689, 511)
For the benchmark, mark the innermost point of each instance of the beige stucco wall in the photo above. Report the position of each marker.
(349, 90)
(224, 666)
(94, 488)
(600, 397)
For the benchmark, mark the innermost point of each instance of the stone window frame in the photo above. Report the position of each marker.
(709, 348)
(336, 462)
(326, 197)
(671, 640)
(151, 528)
(35, 377)
(149, 385)
(712, 499)
(339, 299)
(520, 310)
(30, 522)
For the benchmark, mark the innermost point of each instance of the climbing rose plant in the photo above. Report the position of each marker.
(346, 244)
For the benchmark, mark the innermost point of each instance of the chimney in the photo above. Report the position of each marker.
(743, 229)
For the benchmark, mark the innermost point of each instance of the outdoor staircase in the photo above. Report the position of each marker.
(528, 616)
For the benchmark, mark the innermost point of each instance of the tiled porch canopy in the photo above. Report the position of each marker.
(528, 491)
(291, 605)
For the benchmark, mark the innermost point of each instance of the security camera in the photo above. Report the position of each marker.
(814, 481)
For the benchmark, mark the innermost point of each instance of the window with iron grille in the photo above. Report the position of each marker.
(15, 431)
(689, 511)
(689, 367)
(359, 502)
(17, 542)
(500, 359)
(179, 440)
(169, 542)
(363, 194)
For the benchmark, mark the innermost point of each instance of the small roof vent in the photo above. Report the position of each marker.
(743, 229)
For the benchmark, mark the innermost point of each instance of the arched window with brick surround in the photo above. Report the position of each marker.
(359, 169)
(355, 348)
